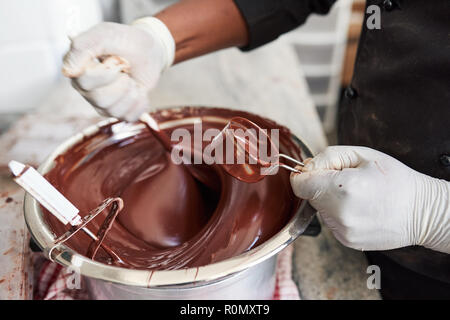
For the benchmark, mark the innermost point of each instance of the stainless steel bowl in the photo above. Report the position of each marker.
(250, 275)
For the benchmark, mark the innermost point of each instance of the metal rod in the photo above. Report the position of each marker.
(289, 168)
(89, 233)
(281, 155)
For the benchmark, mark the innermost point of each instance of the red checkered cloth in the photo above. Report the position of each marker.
(52, 279)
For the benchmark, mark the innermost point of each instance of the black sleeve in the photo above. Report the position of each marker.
(268, 19)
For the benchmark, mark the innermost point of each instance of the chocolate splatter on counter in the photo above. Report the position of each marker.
(8, 251)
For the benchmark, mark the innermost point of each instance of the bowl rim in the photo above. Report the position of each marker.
(181, 278)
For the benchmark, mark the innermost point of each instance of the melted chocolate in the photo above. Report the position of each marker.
(247, 140)
(218, 218)
(103, 230)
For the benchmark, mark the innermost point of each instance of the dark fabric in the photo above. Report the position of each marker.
(398, 282)
(402, 85)
(399, 102)
(267, 19)
(399, 98)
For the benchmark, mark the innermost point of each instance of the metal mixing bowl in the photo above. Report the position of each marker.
(250, 275)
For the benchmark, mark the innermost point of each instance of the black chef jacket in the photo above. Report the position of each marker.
(399, 98)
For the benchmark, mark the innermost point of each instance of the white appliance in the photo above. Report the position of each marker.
(33, 40)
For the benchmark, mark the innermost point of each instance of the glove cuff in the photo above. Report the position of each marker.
(159, 31)
(433, 216)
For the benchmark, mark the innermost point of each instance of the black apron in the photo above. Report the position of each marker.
(399, 103)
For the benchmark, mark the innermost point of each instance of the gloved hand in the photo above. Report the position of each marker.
(371, 201)
(114, 66)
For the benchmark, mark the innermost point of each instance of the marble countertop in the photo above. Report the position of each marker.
(267, 81)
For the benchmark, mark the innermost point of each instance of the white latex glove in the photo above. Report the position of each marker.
(114, 66)
(372, 201)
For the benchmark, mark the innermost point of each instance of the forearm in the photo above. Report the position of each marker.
(203, 26)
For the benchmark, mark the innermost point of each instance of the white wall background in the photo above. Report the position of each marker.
(33, 40)
(133, 9)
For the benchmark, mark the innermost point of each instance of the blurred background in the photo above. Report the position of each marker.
(33, 41)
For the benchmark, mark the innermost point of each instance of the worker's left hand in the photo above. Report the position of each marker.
(371, 201)
(115, 66)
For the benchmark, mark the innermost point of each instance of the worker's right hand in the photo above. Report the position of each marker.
(114, 66)
(371, 201)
